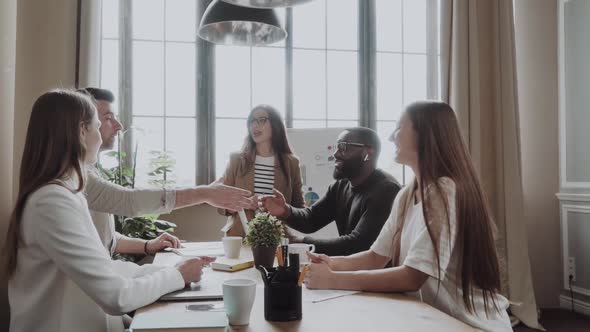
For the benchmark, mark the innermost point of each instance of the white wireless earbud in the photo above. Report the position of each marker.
(366, 157)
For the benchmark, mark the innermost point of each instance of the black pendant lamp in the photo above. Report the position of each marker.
(267, 3)
(224, 23)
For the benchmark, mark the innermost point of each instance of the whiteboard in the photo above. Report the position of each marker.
(315, 149)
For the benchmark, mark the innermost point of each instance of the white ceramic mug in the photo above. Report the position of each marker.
(238, 298)
(301, 249)
(232, 246)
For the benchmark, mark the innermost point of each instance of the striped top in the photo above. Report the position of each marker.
(264, 175)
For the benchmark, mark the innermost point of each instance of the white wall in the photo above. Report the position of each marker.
(536, 59)
(45, 53)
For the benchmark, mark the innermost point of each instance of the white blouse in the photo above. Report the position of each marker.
(65, 280)
(417, 252)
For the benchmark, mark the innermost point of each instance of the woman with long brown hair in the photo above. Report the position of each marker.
(440, 234)
(265, 162)
(61, 278)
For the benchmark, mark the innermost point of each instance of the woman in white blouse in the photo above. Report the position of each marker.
(61, 278)
(440, 235)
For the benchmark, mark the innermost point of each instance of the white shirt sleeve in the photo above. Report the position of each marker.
(64, 231)
(421, 255)
(132, 270)
(384, 242)
(104, 196)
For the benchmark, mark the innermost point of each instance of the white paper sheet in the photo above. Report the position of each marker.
(244, 220)
(197, 249)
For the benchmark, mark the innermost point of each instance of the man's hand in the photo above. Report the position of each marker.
(221, 196)
(165, 240)
(275, 205)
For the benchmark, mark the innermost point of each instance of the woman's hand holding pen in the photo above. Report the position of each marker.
(319, 273)
(319, 276)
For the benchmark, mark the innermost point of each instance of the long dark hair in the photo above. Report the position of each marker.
(279, 141)
(442, 152)
(53, 148)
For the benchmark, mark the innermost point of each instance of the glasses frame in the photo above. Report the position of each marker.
(260, 121)
(345, 149)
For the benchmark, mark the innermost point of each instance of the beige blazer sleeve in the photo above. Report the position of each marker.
(297, 196)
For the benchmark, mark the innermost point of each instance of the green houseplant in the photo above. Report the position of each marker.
(145, 227)
(264, 235)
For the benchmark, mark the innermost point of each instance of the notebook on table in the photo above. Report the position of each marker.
(180, 321)
(209, 288)
(232, 264)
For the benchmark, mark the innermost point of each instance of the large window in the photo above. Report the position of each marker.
(150, 59)
(405, 72)
(245, 77)
(325, 71)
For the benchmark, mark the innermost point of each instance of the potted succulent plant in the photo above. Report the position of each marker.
(264, 235)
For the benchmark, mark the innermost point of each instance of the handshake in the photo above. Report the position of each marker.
(274, 204)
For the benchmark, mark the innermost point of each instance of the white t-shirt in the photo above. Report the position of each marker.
(417, 252)
(264, 175)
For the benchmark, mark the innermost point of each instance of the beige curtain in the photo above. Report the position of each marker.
(479, 82)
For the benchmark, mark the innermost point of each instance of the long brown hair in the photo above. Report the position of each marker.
(442, 152)
(279, 141)
(53, 148)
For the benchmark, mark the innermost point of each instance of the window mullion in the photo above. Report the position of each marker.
(432, 49)
(289, 68)
(205, 102)
(126, 78)
(366, 63)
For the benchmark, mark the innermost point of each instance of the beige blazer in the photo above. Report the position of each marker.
(237, 174)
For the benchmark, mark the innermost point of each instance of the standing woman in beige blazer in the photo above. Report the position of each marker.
(265, 162)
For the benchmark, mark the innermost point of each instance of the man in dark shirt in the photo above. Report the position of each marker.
(359, 201)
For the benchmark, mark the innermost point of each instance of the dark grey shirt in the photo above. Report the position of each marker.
(359, 211)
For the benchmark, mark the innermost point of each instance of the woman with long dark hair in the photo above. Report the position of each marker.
(439, 238)
(265, 162)
(61, 278)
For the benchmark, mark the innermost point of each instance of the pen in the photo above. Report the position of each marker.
(285, 247)
(279, 254)
(302, 275)
(293, 267)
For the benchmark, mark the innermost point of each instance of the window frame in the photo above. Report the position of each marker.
(205, 115)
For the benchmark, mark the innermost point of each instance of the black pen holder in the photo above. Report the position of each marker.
(282, 302)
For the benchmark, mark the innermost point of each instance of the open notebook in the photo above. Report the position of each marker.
(197, 249)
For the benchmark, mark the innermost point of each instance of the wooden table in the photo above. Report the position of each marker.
(360, 312)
